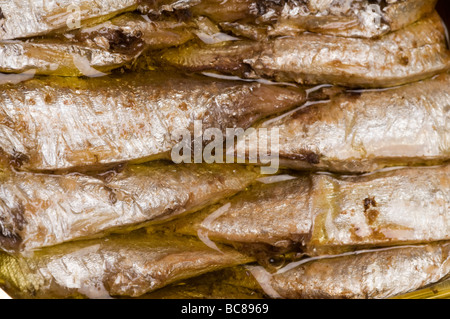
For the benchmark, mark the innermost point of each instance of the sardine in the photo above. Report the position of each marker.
(411, 54)
(224, 57)
(354, 18)
(128, 265)
(95, 50)
(326, 214)
(54, 57)
(38, 210)
(60, 123)
(369, 130)
(130, 32)
(229, 283)
(372, 274)
(365, 19)
(22, 19)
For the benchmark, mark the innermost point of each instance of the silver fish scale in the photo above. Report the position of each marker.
(26, 18)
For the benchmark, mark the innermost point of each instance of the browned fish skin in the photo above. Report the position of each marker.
(229, 283)
(38, 210)
(58, 123)
(328, 214)
(366, 131)
(411, 54)
(54, 57)
(129, 32)
(27, 18)
(224, 57)
(374, 275)
(361, 18)
(127, 265)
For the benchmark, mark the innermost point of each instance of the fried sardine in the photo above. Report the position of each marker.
(65, 123)
(127, 265)
(329, 214)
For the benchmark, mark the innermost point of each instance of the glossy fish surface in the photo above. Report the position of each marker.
(365, 19)
(130, 32)
(66, 123)
(38, 210)
(365, 131)
(353, 18)
(329, 214)
(372, 275)
(416, 52)
(126, 265)
(22, 19)
(54, 57)
(410, 54)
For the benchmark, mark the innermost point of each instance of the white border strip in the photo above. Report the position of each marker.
(4, 295)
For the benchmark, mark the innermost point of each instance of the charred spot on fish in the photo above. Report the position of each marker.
(183, 15)
(183, 106)
(17, 159)
(121, 42)
(10, 241)
(369, 202)
(306, 156)
(48, 99)
(403, 60)
(2, 16)
(372, 215)
(313, 158)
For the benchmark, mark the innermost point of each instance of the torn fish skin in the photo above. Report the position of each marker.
(50, 124)
(414, 53)
(363, 275)
(364, 131)
(23, 19)
(130, 32)
(39, 210)
(125, 265)
(321, 214)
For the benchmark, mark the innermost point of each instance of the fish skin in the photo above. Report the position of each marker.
(22, 19)
(103, 47)
(358, 19)
(336, 17)
(39, 210)
(58, 58)
(127, 265)
(72, 123)
(367, 275)
(414, 53)
(360, 132)
(229, 283)
(154, 34)
(224, 57)
(327, 214)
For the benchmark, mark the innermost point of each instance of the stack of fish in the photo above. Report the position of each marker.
(93, 94)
